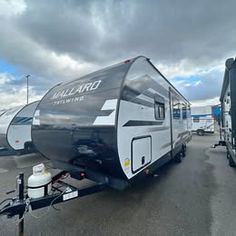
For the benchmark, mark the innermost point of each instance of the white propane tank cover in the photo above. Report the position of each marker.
(39, 183)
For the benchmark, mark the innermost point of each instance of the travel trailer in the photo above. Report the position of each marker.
(202, 120)
(228, 108)
(15, 128)
(110, 127)
(117, 122)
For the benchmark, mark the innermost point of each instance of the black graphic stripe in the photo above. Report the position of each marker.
(159, 90)
(182, 134)
(142, 123)
(142, 102)
(148, 94)
(153, 129)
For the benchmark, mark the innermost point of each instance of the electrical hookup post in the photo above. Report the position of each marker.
(42, 191)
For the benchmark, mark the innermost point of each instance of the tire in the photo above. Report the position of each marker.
(28, 147)
(178, 158)
(184, 150)
(200, 132)
(227, 155)
(231, 162)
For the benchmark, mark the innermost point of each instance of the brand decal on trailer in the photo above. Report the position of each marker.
(69, 100)
(86, 87)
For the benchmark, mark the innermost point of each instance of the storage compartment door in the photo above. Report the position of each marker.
(141, 152)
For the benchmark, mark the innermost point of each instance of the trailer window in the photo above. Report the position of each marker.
(176, 111)
(159, 111)
(159, 107)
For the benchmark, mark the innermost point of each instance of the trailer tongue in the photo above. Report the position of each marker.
(60, 192)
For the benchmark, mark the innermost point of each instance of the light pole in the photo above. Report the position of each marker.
(27, 87)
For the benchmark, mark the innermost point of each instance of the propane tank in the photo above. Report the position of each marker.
(40, 182)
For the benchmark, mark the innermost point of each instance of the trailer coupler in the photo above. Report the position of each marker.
(61, 192)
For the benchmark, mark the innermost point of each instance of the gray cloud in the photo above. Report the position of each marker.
(59, 40)
(166, 31)
(62, 26)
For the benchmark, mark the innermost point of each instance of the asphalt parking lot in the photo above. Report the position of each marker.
(196, 197)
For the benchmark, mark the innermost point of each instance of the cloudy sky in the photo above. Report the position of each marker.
(59, 40)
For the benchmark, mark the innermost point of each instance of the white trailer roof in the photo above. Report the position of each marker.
(7, 117)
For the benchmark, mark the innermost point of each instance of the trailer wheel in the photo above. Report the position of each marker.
(28, 147)
(178, 158)
(184, 150)
(227, 155)
(200, 132)
(231, 161)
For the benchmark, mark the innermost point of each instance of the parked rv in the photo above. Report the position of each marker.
(228, 107)
(202, 120)
(117, 122)
(109, 126)
(15, 128)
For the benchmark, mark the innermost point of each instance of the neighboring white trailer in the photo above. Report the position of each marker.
(202, 120)
(15, 128)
